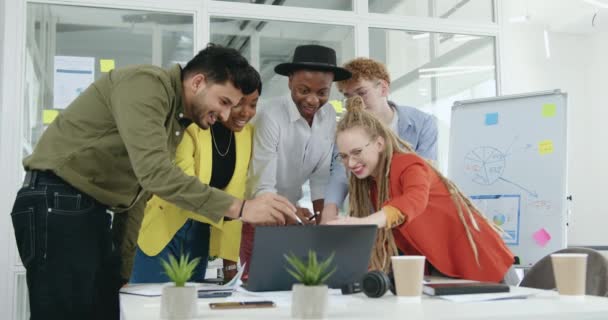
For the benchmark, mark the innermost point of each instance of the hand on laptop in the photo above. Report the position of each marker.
(330, 212)
(305, 215)
(353, 221)
(378, 219)
(268, 209)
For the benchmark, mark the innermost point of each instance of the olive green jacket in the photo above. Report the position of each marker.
(117, 141)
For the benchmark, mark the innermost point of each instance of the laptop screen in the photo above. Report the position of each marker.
(352, 246)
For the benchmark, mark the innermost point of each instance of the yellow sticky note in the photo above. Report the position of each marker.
(48, 115)
(545, 147)
(106, 65)
(549, 110)
(337, 104)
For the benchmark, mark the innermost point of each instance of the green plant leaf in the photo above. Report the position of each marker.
(295, 275)
(312, 272)
(329, 274)
(297, 263)
(325, 264)
(179, 271)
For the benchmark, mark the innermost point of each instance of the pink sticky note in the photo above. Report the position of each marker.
(541, 237)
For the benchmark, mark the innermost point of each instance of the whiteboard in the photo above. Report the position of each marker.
(509, 155)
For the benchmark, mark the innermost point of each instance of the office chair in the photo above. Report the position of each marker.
(540, 276)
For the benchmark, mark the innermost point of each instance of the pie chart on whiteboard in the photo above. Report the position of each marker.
(485, 165)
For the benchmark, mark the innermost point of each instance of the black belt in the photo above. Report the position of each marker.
(34, 177)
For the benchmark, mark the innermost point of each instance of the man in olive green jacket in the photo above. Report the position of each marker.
(104, 156)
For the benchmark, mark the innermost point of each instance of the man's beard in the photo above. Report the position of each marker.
(200, 116)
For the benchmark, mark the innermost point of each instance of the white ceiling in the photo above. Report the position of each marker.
(567, 16)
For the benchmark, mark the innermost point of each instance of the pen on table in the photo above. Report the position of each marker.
(243, 304)
(246, 303)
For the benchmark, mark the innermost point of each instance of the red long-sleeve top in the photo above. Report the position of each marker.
(434, 229)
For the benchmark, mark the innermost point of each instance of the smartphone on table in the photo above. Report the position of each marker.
(242, 305)
(214, 294)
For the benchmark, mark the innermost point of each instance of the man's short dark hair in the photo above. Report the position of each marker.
(220, 64)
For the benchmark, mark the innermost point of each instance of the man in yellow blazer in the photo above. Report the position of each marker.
(220, 158)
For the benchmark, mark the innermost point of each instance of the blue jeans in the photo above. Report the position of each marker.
(64, 238)
(192, 238)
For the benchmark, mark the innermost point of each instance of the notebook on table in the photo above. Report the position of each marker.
(438, 289)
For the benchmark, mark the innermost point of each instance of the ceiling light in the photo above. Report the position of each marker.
(420, 36)
(453, 73)
(547, 48)
(519, 19)
(598, 3)
(456, 68)
(445, 74)
(464, 37)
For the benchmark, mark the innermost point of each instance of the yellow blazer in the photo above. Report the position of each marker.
(194, 155)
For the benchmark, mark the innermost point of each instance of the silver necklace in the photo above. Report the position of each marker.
(215, 144)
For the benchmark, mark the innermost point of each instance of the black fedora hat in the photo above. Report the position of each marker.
(313, 57)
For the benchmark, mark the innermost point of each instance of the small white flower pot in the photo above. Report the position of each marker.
(178, 303)
(309, 302)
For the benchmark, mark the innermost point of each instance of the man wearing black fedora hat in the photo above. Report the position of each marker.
(294, 133)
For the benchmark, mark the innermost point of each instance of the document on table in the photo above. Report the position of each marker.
(516, 293)
(283, 298)
(156, 289)
(438, 279)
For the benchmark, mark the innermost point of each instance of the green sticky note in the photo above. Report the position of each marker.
(549, 110)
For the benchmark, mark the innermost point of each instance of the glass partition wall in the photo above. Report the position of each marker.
(267, 43)
(68, 47)
(431, 70)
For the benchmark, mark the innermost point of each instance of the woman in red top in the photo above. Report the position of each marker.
(417, 210)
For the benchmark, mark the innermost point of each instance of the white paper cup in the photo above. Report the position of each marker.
(570, 272)
(408, 272)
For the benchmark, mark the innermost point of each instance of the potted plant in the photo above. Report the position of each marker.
(309, 296)
(179, 301)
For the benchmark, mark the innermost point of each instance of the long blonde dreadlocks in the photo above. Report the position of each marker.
(360, 203)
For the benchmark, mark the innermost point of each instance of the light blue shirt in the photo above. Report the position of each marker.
(287, 151)
(414, 126)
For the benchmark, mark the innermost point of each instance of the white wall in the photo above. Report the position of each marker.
(4, 258)
(9, 61)
(1, 47)
(5, 274)
(576, 66)
(590, 221)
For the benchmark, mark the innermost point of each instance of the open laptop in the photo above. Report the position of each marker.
(352, 246)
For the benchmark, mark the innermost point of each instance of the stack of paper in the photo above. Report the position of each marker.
(516, 293)
(156, 289)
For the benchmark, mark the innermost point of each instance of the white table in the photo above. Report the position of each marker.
(544, 305)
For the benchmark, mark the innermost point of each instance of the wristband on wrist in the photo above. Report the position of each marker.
(230, 267)
(241, 211)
